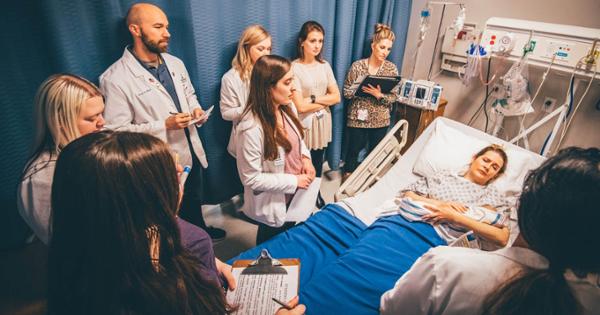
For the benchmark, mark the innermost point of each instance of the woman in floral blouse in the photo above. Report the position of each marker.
(369, 117)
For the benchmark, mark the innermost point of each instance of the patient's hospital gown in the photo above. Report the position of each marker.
(449, 186)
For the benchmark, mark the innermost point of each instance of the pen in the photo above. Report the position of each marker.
(287, 307)
(176, 113)
(184, 175)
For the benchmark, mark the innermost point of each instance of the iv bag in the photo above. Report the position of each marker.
(473, 65)
(424, 25)
(512, 91)
(459, 22)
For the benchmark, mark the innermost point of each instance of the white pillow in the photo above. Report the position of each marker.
(452, 149)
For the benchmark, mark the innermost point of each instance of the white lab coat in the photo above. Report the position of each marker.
(265, 183)
(234, 95)
(33, 195)
(136, 101)
(455, 280)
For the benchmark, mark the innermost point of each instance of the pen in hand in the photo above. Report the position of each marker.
(284, 305)
(177, 113)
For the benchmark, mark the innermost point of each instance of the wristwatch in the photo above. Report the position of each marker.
(313, 98)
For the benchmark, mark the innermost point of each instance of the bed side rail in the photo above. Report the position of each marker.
(377, 163)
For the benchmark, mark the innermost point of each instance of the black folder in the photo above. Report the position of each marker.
(387, 83)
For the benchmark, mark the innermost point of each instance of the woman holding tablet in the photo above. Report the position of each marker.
(369, 117)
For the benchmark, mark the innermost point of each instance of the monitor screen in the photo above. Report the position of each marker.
(420, 93)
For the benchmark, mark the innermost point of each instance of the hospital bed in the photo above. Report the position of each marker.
(377, 163)
(349, 255)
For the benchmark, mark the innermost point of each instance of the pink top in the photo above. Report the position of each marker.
(293, 159)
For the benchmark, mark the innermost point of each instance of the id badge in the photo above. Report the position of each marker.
(363, 114)
(319, 114)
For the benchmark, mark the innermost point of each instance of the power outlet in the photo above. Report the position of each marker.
(549, 104)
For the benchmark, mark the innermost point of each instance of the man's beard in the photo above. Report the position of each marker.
(153, 46)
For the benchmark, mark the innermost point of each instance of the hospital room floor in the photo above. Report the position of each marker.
(241, 234)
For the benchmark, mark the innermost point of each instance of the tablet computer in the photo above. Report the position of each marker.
(387, 83)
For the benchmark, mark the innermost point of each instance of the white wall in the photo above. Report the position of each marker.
(464, 101)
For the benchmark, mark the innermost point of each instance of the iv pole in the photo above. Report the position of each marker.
(437, 37)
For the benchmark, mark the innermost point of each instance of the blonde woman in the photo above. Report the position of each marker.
(316, 90)
(369, 117)
(254, 43)
(66, 107)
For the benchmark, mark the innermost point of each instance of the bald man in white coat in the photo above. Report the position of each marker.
(148, 90)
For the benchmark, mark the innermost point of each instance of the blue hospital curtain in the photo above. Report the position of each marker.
(40, 38)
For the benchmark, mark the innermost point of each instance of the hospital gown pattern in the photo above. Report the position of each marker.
(448, 186)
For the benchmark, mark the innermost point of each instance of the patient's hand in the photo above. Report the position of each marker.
(456, 206)
(441, 214)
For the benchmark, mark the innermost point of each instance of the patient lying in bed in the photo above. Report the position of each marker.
(456, 204)
(354, 256)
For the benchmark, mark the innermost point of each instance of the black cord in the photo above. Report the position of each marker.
(484, 103)
(476, 114)
(487, 94)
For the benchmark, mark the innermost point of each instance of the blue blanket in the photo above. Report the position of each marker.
(345, 265)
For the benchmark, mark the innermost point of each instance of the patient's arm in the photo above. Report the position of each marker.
(440, 214)
(496, 235)
(457, 206)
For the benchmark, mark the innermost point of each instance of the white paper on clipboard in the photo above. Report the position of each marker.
(303, 203)
(254, 293)
(205, 116)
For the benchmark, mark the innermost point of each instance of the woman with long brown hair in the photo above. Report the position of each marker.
(316, 90)
(273, 161)
(117, 245)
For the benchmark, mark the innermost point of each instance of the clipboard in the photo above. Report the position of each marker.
(261, 280)
(387, 83)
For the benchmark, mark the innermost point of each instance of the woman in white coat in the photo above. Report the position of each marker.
(272, 160)
(66, 107)
(254, 43)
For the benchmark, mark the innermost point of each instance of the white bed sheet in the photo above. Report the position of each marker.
(366, 206)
